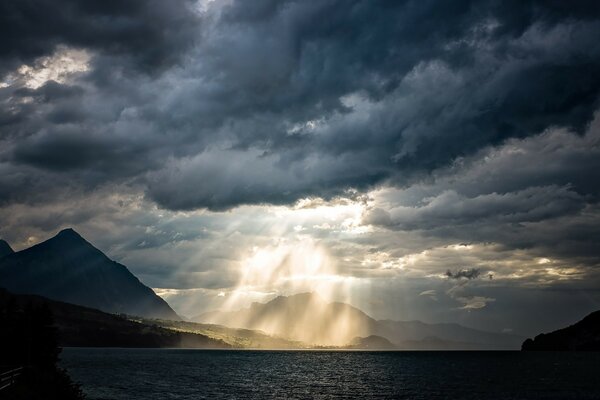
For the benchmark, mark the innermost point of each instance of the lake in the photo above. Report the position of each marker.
(242, 374)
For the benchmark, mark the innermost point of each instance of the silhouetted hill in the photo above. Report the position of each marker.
(79, 326)
(584, 335)
(310, 319)
(419, 335)
(372, 342)
(435, 343)
(28, 341)
(68, 268)
(5, 248)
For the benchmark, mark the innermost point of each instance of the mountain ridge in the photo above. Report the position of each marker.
(68, 268)
(372, 342)
(79, 326)
(305, 317)
(5, 248)
(582, 335)
(308, 318)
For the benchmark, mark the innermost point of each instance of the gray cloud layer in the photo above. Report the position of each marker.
(275, 101)
(144, 34)
(537, 193)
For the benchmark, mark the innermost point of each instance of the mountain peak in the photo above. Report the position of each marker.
(305, 296)
(5, 248)
(304, 317)
(69, 233)
(69, 239)
(69, 268)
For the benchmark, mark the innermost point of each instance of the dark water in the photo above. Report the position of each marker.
(200, 374)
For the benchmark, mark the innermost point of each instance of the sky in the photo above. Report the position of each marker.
(425, 160)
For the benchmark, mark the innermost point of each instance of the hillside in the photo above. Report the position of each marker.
(303, 317)
(68, 268)
(310, 319)
(435, 343)
(443, 336)
(79, 326)
(372, 342)
(235, 337)
(5, 248)
(583, 335)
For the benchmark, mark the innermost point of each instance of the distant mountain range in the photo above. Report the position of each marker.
(583, 335)
(310, 319)
(68, 268)
(304, 317)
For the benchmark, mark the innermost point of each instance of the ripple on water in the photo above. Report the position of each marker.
(202, 374)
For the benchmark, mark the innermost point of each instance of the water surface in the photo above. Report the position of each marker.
(238, 374)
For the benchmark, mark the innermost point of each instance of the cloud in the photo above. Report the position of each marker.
(474, 302)
(432, 294)
(370, 97)
(115, 28)
(469, 274)
(531, 193)
(461, 291)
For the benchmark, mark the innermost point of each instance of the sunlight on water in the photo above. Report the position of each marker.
(129, 374)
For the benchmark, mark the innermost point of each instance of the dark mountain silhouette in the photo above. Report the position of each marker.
(435, 343)
(308, 318)
(78, 326)
(5, 248)
(420, 335)
(584, 335)
(372, 342)
(68, 268)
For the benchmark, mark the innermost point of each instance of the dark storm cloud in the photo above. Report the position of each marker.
(469, 274)
(419, 95)
(150, 33)
(271, 101)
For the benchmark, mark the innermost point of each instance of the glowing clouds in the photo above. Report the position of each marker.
(59, 67)
(294, 259)
(289, 266)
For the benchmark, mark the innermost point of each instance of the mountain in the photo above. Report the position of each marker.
(235, 337)
(79, 326)
(68, 268)
(372, 342)
(435, 343)
(303, 317)
(583, 335)
(5, 248)
(308, 318)
(419, 335)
